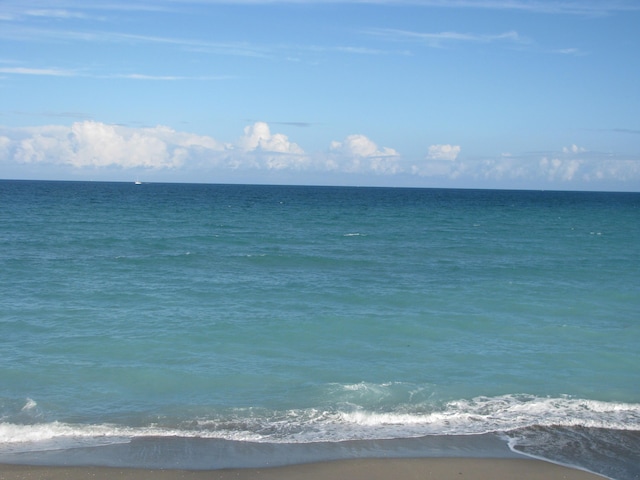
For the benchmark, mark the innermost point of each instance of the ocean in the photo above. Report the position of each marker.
(213, 326)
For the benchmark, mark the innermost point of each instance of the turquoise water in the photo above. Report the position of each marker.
(299, 316)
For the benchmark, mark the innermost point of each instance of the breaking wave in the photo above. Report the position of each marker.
(347, 421)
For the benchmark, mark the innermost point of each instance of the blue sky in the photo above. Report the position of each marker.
(429, 93)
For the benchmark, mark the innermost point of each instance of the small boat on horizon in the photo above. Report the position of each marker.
(137, 182)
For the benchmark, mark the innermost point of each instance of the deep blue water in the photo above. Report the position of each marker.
(281, 317)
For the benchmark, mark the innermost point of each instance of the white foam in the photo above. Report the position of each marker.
(496, 414)
(30, 405)
(349, 422)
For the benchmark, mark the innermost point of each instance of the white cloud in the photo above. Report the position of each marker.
(61, 72)
(439, 38)
(627, 170)
(55, 13)
(49, 72)
(561, 169)
(358, 154)
(259, 148)
(443, 152)
(573, 149)
(572, 167)
(95, 144)
(569, 51)
(584, 7)
(441, 161)
(90, 146)
(556, 169)
(361, 146)
(258, 137)
(5, 143)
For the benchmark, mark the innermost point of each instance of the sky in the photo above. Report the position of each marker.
(523, 94)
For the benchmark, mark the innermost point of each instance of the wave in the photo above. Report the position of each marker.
(347, 421)
(601, 437)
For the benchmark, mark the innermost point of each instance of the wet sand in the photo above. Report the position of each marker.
(356, 469)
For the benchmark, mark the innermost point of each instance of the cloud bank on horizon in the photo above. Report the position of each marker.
(480, 94)
(162, 152)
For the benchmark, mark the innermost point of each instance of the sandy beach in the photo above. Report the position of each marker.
(357, 469)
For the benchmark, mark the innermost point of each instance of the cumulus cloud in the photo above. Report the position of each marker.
(259, 148)
(99, 145)
(560, 169)
(573, 149)
(441, 161)
(571, 166)
(507, 167)
(92, 146)
(5, 143)
(358, 153)
(443, 152)
(95, 144)
(258, 137)
(361, 146)
(625, 169)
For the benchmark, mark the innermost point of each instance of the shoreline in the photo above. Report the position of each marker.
(249, 460)
(353, 469)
